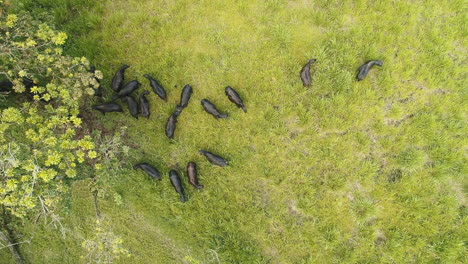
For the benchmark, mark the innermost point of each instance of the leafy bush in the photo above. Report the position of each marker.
(39, 143)
(104, 246)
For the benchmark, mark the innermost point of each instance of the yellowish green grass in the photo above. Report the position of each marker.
(342, 172)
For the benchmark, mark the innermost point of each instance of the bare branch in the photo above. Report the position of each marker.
(11, 247)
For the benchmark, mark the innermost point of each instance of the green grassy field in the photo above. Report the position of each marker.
(341, 172)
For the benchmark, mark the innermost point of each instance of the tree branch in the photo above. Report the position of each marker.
(11, 247)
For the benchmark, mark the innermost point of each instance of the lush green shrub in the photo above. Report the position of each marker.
(39, 143)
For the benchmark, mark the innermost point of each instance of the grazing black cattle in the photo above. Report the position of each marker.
(177, 184)
(108, 107)
(210, 108)
(144, 105)
(305, 73)
(185, 96)
(171, 124)
(235, 98)
(127, 90)
(364, 69)
(117, 80)
(214, 159)
(132, 106)
(192, 175)
(157, 88)
(150, 170)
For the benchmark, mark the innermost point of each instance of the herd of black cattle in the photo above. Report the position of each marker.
(124, 92)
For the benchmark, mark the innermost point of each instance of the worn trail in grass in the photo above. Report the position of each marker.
(341, 172)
